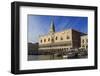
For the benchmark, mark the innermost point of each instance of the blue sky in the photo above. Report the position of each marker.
(40, 25)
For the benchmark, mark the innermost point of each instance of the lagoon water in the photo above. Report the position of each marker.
(42, 57)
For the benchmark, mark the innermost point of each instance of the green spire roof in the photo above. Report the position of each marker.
(52, 27)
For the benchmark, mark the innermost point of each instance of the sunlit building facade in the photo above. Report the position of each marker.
(84, 42)
(62, 40)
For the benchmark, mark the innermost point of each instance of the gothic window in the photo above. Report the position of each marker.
(61, 38)
(52, 40)
(41, 41)
(48, 39)
(67, 37)
(83, 46)
(82, 41)
(56, 37)
(44, 40)
(86, 47)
